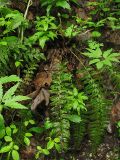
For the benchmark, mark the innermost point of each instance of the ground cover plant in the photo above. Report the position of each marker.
(59, 79)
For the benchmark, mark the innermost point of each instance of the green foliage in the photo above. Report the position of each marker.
(20, 54)
(9, 99)
(51, 4)
(101, 7)
(71, 31)
(21, 44)
(12, 20)
(79, 130)
(46, 30)
(3, 3)
(68, 108)
(99, 58)
(97, 110)
(51, 144)
(10, 146)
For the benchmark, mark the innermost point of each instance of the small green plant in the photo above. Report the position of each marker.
(14, 137)
(71, 31)
(51, 144)
(46, 30)
(100, 58)
(9, 146)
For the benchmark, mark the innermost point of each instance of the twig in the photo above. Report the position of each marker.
(25, 15)
(85, 32)
(28, 5)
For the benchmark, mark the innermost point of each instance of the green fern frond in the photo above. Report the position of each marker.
(8, 79)
(61, 125)
(79, 130)
(97, 111)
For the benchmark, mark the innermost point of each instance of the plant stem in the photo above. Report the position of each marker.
(25, 15)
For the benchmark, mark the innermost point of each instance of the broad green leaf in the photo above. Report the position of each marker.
(36, 130)
(64, 4)
(26, 141)
(74, 118)
(1, 108)
(15, 155)
(48, 125)
(31, 121)
(2, 127)
(50, 144)
(3, 43)
(48, 9)
(118, 124)
(58, 147)
(39, 148)
(26, 123)
(57, 140)
(6, 148)
(16, 147)
(28, 135)
(8, 131)
(2, 133)
(15, 130)
(8, 139)
(13, 126)
(45, 151)
(96, 34)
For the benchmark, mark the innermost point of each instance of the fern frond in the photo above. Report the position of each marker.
(79, 130)
(97, 111)
(8, 79)
(61, 125)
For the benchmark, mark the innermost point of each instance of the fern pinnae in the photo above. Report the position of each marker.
(98, 116)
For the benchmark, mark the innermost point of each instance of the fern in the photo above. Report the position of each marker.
(115, 77)
(11, 48)
(67, 104)
(79, 130)
(9, 100)
(97, 110)
(61, 125)
(8, 79)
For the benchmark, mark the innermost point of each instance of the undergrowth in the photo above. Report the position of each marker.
(76, 111)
